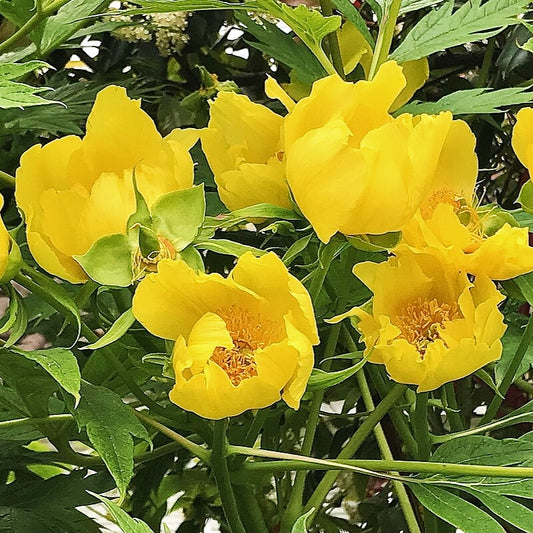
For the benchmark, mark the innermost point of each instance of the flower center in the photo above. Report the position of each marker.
(441, 196)
(421, 321)
(142, 264)
(249, 332)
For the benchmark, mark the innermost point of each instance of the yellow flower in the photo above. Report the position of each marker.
(354, 168)
(522, 140)
(242, 342)
(243, 147)
(74, 191)
(473, 238)
(428, 323)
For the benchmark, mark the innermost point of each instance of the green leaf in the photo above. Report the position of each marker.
(171, 6)
(510, 341)
(227, 247)
(68, 20)
(525, 284)
(300, 526)
(322, 380)
(193, 258)
(454, 510)
(15, 318)
(122, 519)
(375, 243)
(525, 198)
(15, 94)
(472, 101)
(109, 261)
(111, 426)
(513, 512)
(281, 46)
(310, 25)
(296, 249)
(353, 15)
(61, 364)
(443, 28)
(178, 215)
(115, 332)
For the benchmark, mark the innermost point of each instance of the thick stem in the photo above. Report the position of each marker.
(507, 380)
(26, 28)
(354, 444)
(294, 505)
(332, 40)
(454, 418)
(420, 426)
(385, 35)
(383, 445)
(219, 466)
(6, 180)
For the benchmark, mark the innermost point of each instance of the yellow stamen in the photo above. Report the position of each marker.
(421, 322)
(249, 333)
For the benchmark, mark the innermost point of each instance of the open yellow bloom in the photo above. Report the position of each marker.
(428, 323)
(449, 220)
(242, 342)
(522, 140)
(355, 169)
(243, 147)
(74, 191)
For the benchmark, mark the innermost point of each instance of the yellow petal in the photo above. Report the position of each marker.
(416, 74)
(354, 48)
(274, 91)
(522, 139)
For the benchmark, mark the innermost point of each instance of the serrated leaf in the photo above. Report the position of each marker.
(171, 6)
(61, 364)
(111, 426)
(454, 510)
(12, 71)
(300, 526)
(472, 101)
(178, 215)
(115, 332)
(122, 519)
(109, 261)
(443, 28)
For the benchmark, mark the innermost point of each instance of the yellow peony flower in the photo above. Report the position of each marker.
(477, 240)
(74, 191)
(242, 342)
(522, 140)
(243, 147)
(428, 323)
(355, 169)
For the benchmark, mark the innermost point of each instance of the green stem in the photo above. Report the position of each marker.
(7, 424)
(454, 418)
(419, 419)
(385, 35)
(6, 180)
(294, 505)
(524, 386)
(194, 448)
(249, 509)
(30, 24)
(355, 442)
(508, 378)
(219, 466)
(332, 40)
(293, 462)
(383, 445)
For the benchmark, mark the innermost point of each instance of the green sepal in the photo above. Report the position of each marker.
(525, 198)
(142, 213)
(375, 243)
(193, 258)
(148, 241)
(14, 262)
(493, 217)
(109, 261)
(178, 215)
